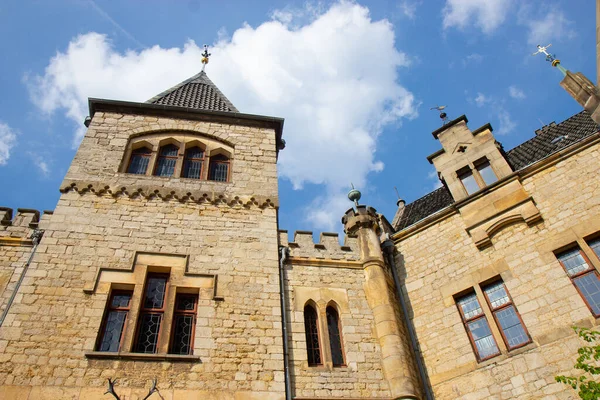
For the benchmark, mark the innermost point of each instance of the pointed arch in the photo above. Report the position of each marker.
(313, 341)
(334, 330)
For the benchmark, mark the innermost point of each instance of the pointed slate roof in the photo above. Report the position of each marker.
(197, 92)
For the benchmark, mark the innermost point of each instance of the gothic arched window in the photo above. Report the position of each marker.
(312, 335)
(218, 169)
(335, 337)
(193, 162)
(167, 157)
(138, 163)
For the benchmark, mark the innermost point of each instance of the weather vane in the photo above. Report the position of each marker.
(443, 115)
(551, 58)
(205, 56)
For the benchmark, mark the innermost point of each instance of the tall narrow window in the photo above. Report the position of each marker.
(115, 320)
(193, 162)
(477, 327)
(487, 173)
(506, 315)
(468, 180)
(584, 277)
(167, 157)
(151, 314)
(184, 323)
(595, 245)
(138, 163)
(335, 338)
(312, 335)
(219, 168)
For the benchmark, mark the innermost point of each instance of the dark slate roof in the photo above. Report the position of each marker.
(197, 92)
(548, 140)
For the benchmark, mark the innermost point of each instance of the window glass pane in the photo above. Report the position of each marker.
(470, 306)
(169, 150)
(155, 291)
(589, 286)
(182, 334)
(186, 303)
(511, 326)
(312, 336)
(573, 261)
(165, 166)
(113, 329)
(487, 173)
(193, 163)
(482, 336)
(335, 339)
(148, 335)
(595, 245)
(469, 183)
(120, 300)
(497, 294)
(139, 161)
(218, 171)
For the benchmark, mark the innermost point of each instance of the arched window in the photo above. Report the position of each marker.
(193, 162)
(138, 163)
(335, 338)
(218, 169)
(312, 335)
(167, 157)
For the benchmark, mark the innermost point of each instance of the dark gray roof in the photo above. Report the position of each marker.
(548, 140)
(197, 92)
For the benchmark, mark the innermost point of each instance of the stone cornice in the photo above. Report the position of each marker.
(167, 194)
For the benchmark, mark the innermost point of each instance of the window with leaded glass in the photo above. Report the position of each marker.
(311, 328)
(335, 338)
(138, 162)
(192, 163)
(115, 320)
(506, 315)
(477, 327)
(184, 323)
(583, 275)
(218, 169)
(152, 313)
(167, 158)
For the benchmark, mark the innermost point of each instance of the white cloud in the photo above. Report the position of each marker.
(487, 15)
(507, 125)
(473, 58)
(333, 77)
(552, 26)
(481, 100)
(40, 162)
(408, 8)
(8, 139)
(516, 93)
(437, 183)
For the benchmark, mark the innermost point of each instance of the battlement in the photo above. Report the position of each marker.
(21, 224)
(328, 246)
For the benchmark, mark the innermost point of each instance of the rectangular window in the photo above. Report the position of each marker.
(115, 320)
(184, 323)
(508, 319)
(487, 173)
(595, 245)
(151, 314)
(583, 275)
(477, 327)
(468, 180)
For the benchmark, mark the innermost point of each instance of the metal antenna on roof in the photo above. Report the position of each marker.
(205, 56)
(443, 115)
(551, 58)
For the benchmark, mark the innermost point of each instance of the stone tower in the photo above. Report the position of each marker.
(160, 260)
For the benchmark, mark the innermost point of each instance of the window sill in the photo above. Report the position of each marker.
(106, 355)
(503, 356)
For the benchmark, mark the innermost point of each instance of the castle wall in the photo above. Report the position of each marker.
(105, 231)
(442, 261)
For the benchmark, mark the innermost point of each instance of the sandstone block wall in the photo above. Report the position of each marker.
(442, 260)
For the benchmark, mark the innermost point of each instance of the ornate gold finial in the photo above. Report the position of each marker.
(205, 56)
(551, 58)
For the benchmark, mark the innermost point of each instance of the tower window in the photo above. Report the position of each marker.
(115, 320)
(184, 321)
(167, 158)
(138, 163)
(477, 327)
(219, 168)
(192, 163)
(487, 173)
(335, 338)
(583, 275)
(311, 328)
(151, 315)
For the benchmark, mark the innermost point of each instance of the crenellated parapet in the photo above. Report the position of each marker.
(328, 246)
(16, 227)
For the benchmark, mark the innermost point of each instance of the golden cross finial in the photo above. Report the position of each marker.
(205, 56)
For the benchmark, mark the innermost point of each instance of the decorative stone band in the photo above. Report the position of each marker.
(168, 194)
(361, 217)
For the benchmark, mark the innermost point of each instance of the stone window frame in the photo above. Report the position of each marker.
(110, 308)
(189, 313)
(488, 314)
(473, 170)
(323, 330)
(154, 141)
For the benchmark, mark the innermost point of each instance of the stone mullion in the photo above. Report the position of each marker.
(152, 163)
(324, 336)
(132, 318)
(589, 253)
(167, 322)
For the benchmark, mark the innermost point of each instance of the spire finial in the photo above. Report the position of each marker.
(551, 58)
(354, 195)
(443, 115)
(205, 56)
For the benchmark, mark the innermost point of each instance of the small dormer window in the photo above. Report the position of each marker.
(485, 170)
(468, 180)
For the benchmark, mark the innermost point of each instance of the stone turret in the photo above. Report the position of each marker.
(391, 334)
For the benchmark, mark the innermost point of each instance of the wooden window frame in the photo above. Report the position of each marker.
(108, 309)
(160, 157)
(202, 162)
(466, 321)
(227, 162)
(133, 154)
(590, 270)
(193, 313)
(502, 307)
(319, 339)
(339, 326)
(144, 310)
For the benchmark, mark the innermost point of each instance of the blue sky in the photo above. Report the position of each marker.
(354, 81)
